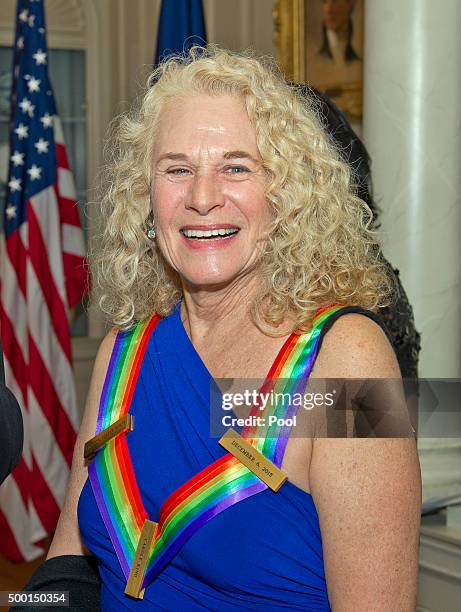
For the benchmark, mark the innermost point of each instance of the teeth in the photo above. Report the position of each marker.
(189, 233)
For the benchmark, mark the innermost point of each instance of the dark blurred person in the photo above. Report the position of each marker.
(11, 429)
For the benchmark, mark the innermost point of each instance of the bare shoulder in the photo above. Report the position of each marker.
(66, 540)
(357, 347)
(367, 491)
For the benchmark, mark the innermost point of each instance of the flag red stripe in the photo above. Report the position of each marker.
(68, 209)
(77, 277)
(39, 260)
(43, 388)
(8, 541)
(18, 257)
(68, 215)
(61, 156)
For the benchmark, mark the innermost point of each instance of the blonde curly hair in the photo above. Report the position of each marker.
(321, 248)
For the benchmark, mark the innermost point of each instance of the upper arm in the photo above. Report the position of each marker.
(367, 491)
(66, 540)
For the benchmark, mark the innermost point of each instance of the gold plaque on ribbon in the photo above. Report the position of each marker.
(123, 424)
(253, 459)
(141, 557)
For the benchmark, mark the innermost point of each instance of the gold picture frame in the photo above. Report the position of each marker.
(292, 40)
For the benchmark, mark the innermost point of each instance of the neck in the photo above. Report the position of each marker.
(337, 41)
(339, 35)
(204, 312)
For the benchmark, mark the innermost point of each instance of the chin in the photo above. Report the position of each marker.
(210, 279)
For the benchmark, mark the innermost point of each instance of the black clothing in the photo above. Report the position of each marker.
(11, 428)
(74, 573)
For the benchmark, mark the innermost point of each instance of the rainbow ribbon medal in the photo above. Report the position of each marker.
(220, 485)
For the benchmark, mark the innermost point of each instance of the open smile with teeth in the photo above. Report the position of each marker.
(215, 234)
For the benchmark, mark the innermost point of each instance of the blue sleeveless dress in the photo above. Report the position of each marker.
(263, 553)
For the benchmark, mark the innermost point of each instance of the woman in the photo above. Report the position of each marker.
(230, 215)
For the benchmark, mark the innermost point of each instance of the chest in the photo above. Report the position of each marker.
(244, 546)
(247, 354)
(247, 361)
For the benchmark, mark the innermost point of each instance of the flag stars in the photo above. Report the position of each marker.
(34, 172)
(20, 43)
(42, 146)
(24, 15)
(15, 184)
(39, 57)
(17, 159)
(33, 84)
(47, 120)
(22, 131)
(27, 107)
(31, 21)
(10, 211)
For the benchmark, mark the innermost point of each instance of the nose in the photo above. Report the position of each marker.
(206, 193)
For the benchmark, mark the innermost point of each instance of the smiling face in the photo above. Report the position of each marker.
(208, 193)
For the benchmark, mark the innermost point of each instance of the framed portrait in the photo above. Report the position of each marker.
(320, 42)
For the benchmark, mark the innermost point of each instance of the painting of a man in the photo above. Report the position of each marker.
(334, 41)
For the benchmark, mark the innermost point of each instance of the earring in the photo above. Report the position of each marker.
(151, 232)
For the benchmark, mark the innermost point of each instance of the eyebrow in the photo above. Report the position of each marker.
(228, 155)
(238, 155)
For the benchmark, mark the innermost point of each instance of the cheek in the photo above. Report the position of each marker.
(166, 198)
(250, 198)
(258, 208)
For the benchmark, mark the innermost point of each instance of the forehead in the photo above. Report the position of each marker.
(201, 119)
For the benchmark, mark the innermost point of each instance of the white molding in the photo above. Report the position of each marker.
(440, 571)
(65, 16)
(442, 536)
(439, 588)
(440, 551)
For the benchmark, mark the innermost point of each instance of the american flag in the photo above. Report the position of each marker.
(43, 275)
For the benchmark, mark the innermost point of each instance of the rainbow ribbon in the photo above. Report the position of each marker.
(220, 485)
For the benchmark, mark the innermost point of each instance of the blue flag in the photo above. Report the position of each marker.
(181, 26)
